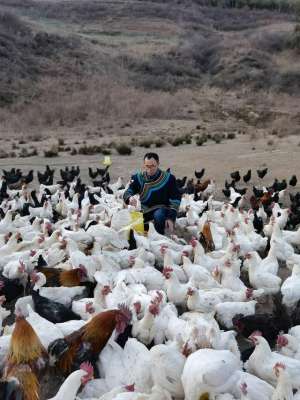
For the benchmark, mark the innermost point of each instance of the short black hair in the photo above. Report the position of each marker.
(151, 155)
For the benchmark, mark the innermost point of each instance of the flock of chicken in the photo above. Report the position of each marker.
(128, 316)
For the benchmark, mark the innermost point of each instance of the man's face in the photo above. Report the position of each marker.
(150, 166)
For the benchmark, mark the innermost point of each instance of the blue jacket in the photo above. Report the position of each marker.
(155, 192)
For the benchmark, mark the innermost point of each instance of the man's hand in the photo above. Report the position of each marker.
(170, 225)
(133, 201)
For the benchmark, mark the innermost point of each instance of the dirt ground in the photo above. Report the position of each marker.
(280, 155)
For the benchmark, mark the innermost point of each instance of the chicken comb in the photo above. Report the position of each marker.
(89, 307)
(167, 269)
(105, 290)
(32, 253)
(82, 269)
(154, 308)
(255, 333)
(159, 296)
(243, 388)
(282, 341)
(125, 311)
(87, 367)
(279, 365)
(130, 388)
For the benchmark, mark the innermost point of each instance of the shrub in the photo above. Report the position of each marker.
(24, 153)
(73, 152)
(112, 145)
(200, 141)
(231, 135)
(61, 141)
(3, 154)
(188, 139)
(145, 143)
(159, 143)
(36, 137)
(177, 141)
(123, 149)
(217, 138)
(89, 150)
(52, 152)
(106, 152)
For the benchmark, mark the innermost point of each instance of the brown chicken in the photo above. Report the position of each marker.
(86, 343)
(21, 383)
(201, 186)
(255, 203)
(26, 357)
(206, 238)
(60, 277)
(266, 199)
(25, 346)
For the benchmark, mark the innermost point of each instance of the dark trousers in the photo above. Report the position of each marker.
(159, 216)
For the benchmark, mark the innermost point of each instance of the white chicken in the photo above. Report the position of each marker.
(262, 361)
(290, 288)
(209, 371)
(167, 366)
(227, 310)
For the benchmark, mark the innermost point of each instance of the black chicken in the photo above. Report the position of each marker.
(102, 171)
(181, 182)
(269, 324)
(262, 172)
(226, 192)
(247, 176)
(257, 192)
(29, 177)
(236, 176)
(258, 223)
(51, 310)
(278, 186)
(241, 191)
(10, 288)
(199, 174)
(293, 180)
(93, 174)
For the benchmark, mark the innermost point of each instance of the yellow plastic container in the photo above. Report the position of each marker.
(137, 222)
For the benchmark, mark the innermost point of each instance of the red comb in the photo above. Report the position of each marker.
(87, 367)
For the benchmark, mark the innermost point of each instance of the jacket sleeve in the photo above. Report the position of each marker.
(132, 189)
(174, 198)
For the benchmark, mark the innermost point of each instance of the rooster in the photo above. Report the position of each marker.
(20, 382)
(25, 346)
(206, 238)
(86, 343)
(25, 359)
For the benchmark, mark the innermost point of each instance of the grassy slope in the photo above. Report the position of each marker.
(72, 51)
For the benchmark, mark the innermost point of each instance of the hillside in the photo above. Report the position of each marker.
(67, 63)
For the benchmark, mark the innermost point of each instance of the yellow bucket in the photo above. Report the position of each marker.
(137, 221)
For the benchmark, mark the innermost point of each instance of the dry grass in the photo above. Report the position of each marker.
(93, 80)
(95, 99)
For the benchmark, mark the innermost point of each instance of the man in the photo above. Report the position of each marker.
(159, 196)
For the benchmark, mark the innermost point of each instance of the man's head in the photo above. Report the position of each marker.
(151, 163)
